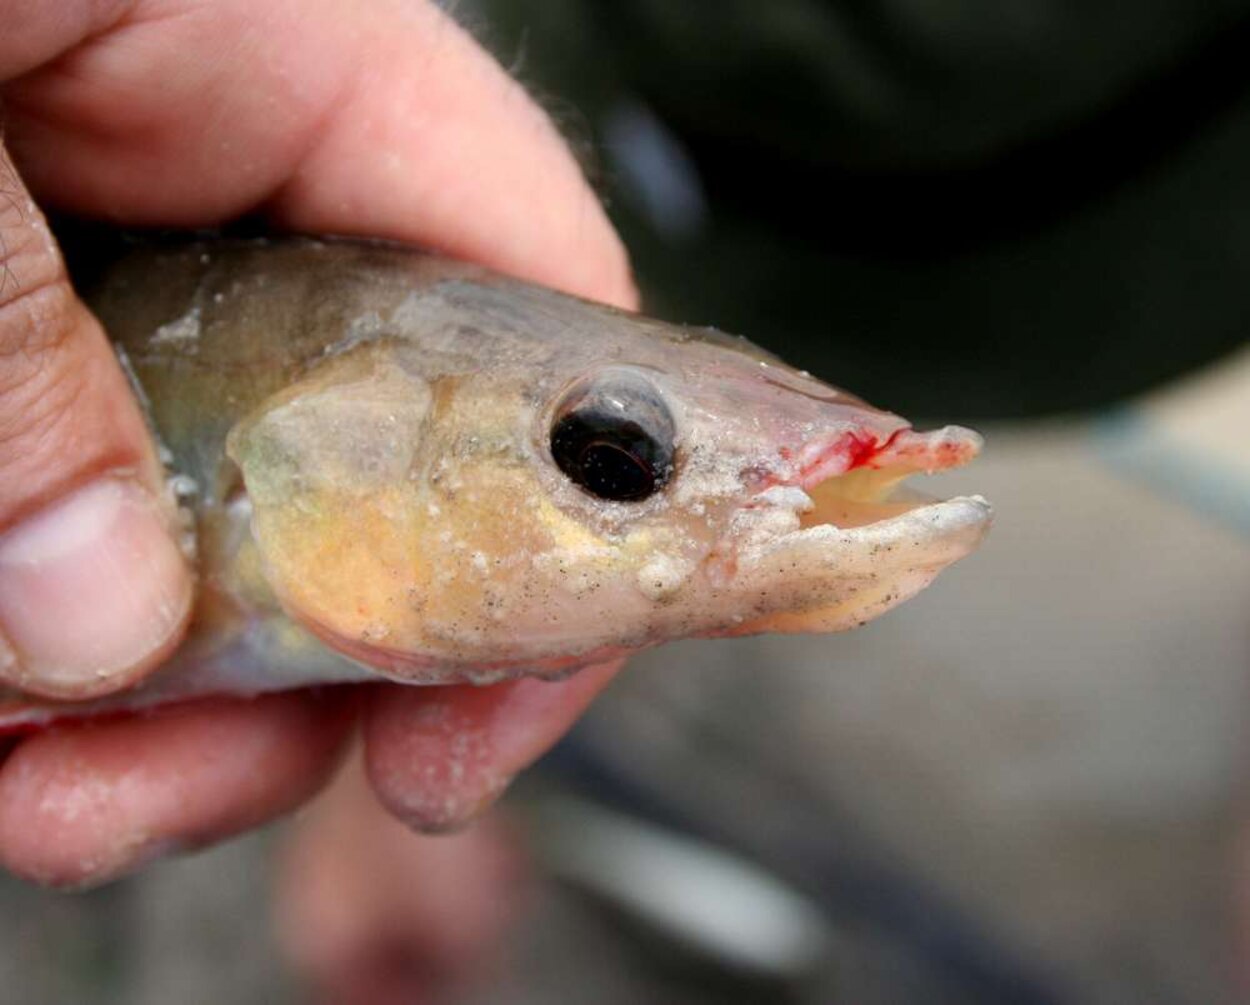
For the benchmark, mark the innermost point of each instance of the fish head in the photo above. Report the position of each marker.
(813, 527)
(556, 501)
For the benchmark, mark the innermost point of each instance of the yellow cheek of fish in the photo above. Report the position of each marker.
(570, 541)
(574, 546)
(413, 568)
(350, 564)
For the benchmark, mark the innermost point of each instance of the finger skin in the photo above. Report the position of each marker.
(367, 911)
(55, 368)
(439, 756)
(85, 805)
(87, 537)
(382, 119)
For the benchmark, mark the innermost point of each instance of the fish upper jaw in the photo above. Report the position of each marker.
(904, 450)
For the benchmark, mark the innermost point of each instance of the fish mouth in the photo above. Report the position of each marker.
(844, 540)
(854, 480)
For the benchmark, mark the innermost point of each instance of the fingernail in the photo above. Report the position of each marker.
(93, 592)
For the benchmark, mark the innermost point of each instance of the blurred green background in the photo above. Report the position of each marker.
(956, 208)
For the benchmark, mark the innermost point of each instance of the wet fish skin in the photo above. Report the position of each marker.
(361, 436)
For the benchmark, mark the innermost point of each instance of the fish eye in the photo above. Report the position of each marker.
(613, 436)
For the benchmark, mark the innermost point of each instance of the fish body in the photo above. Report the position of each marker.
(390, 464)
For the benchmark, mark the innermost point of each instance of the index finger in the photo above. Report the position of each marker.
(382, 120)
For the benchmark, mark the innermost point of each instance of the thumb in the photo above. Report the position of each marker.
(94, 591)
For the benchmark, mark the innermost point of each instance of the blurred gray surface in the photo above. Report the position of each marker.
(1053, 736)
(1050, 741)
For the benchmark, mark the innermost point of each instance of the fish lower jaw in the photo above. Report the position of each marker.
(925, 534)
(825, 578)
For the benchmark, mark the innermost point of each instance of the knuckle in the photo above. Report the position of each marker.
(33, 406)
(63, 404)
(38, 385)
(34, 323)
(36, 303)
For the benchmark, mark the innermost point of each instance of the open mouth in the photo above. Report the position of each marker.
(845, 540)
(853, 480)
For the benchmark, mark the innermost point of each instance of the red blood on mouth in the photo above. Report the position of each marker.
(861, 448)
(856, 448)
(903, 449)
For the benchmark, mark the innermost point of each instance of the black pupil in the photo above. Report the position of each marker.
(609, 455)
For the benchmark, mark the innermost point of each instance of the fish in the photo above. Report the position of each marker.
(391, 465)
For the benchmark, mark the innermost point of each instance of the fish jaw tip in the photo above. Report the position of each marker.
(929, 452)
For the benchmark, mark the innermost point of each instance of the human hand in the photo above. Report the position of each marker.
(366, 911)
(380, 119)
